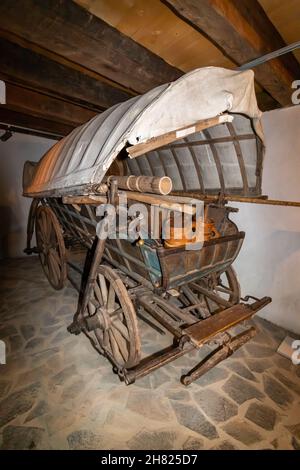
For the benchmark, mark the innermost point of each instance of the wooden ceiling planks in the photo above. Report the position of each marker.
(152, 24)
(243, 31)
(70, 31)
(26, 67)
(285, 17)
(36, 104)
(64, 60)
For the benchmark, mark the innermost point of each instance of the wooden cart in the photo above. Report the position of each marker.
(193, 294)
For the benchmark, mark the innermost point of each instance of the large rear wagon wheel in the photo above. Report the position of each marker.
(51, 247)
(112, 319)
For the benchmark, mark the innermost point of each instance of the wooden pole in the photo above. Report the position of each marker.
(227, 197)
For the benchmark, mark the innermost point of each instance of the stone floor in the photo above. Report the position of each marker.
(57, 393)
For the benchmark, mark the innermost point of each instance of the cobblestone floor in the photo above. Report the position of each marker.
(57, 393)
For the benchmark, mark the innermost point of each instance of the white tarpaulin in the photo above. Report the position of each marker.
(83, 157)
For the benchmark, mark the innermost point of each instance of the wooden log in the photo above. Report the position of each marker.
(162, 140)
(144, 184)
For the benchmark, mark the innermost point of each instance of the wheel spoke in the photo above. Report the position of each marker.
(44, 223)
(118, 325)
(111, 299)
(223, 289)
(98, 294)
(122, 344)
(55, 264)
(55, 256)
(103, 287)
(52, 272)
(115, 348)
(91, 308)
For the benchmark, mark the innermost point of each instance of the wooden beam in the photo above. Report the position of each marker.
(22, 66)
(22, 130)
(69, 30)
(26, 121)
(243, 31)
(165, 139)
(39, 105)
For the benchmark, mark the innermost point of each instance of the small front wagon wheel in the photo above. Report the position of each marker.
(51, 247)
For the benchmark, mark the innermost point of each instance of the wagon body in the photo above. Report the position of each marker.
(203, 133)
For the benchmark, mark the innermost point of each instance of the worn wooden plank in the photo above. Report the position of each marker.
(203, 330)
(67, 29)
(95, 200)
(23, 66)
(162, 140)
(243, 31)
(40, 105)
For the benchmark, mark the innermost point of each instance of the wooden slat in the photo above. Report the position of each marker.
(22, 66)
(69, 30)
(243, 31)
(95, 200)
(162, 140)
(217, 161)
(203, 330)
(239, 155)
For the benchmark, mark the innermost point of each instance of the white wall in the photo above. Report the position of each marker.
(13, 206)
(269, 262)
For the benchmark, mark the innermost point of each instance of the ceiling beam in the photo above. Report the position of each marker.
(36, 104)
(23, 66)
(26, 121)
(67, 29)
(243, 31)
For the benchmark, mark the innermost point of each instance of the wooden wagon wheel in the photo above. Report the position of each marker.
(111, 316)
(217, 291)
(51, 247)
(227, 286)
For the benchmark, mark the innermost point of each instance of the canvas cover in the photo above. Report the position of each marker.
(83, 157)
